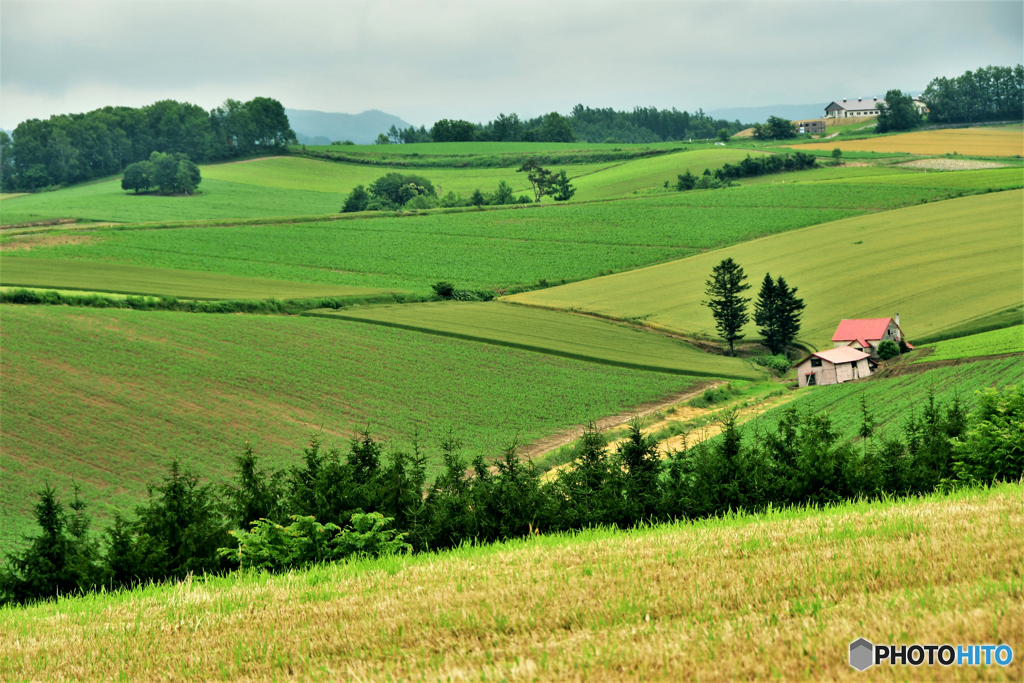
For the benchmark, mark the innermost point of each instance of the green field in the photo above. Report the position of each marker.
(496, 248)
(552, 332)
(993, 343)
(938, 265)
(892, 399)
(135, 389)
(182, 284)
(777, 595)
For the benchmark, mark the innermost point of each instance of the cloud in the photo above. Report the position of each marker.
(425, 60)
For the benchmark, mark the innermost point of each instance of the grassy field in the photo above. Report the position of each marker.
(776, 595)
(993, 343)
(552, 332)
(985, 142)
(108, 397)
(182, 284)
(939, 265)
(505, 247)
(487, 148)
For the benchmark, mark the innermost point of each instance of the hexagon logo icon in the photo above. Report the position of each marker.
(861, 654)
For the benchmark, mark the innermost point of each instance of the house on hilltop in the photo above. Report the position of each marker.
(866, 334)
(845, 108)
(833, 366)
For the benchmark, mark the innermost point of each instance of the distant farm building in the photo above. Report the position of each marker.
(866, 334)
(842, 109)
(833, 366)
(810, 126)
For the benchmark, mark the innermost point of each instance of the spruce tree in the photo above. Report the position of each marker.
(788, 312)
(727, 306)
(765, 313)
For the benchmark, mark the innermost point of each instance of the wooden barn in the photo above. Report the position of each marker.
(833, 366)
(866, 334)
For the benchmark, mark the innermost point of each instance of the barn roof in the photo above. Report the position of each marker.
(868, 329)
(844, 354)
(862, 104)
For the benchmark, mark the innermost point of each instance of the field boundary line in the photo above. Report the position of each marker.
(527, 347)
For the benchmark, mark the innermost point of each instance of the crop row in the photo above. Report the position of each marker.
(995, 342)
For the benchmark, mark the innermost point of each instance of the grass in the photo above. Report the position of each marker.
(109, 397)
(939, 265)
(124, 279)
(430, 149)
(748, 597)
(503, 247)
(552, 332)
(995, 342)
(891, 399)
(986, 142)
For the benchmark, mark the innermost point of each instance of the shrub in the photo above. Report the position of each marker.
(779, 363)
(888, 349)
(443, 289)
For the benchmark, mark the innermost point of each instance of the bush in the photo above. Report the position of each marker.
(443, 289)
(357, 200)
(779, 363)
(888, 349)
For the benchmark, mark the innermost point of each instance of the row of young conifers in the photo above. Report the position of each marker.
(367, 502)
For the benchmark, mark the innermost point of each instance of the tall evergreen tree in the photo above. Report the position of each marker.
(727, 306)
(777, 313)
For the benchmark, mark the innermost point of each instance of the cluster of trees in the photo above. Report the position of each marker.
(502, 196)
(546, 182)
(332, 505)
(707, 181)
(995, 93)
(767, 164)
(389, 193)
(776, 313)
(897, 112)
(775, 128)
(643, 124)
(169, 173)
(73, 148)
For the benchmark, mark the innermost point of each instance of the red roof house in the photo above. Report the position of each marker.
(867, 333)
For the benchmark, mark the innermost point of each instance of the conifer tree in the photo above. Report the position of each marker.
(777, 313)
(727, 306)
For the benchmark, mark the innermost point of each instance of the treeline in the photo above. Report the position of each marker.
(995, 93)
(72, 148)
(366, 501)
(642, 125)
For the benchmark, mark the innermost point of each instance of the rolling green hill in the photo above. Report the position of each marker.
(107, 397)
(552, 332)
(938, 265)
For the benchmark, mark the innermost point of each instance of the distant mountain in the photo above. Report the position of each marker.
(793, 112)
(362, 129)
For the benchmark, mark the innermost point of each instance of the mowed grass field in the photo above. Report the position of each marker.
(108, 397)
(939, 265)
(992, 343)
(985, 142)
(124, 279)
(552, 332)
(504, 247)
(778, 595)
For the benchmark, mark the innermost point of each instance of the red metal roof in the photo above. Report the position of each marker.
(867, 329)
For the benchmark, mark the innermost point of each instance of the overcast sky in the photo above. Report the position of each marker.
(426, 60)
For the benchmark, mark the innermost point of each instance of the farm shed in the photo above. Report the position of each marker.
(845, 108)
(833, 366)
(866, 334)
(811, 126)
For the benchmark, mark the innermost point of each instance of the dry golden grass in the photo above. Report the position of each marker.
(985, 142)
(777, 596)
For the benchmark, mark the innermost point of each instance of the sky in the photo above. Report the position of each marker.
(427, 60)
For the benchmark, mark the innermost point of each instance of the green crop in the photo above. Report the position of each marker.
(108, 397)
(552, 332)
(1007, 340)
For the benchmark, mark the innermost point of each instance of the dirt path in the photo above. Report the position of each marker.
(707, 430)
(606, 424)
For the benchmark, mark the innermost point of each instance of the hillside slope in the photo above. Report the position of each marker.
(938, 265)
